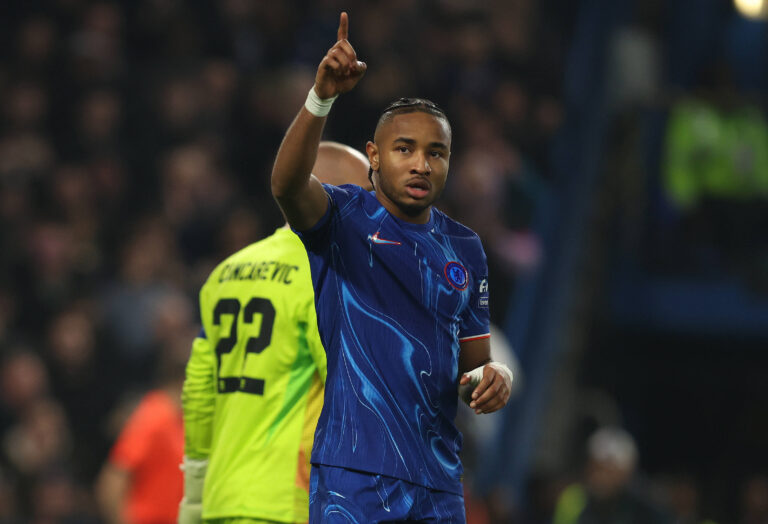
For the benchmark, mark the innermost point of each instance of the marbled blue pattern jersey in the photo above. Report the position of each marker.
(393, 300)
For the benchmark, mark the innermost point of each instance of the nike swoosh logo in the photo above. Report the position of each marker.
(376, 240)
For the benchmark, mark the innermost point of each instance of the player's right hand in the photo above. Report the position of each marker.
(493, 391)
(340, 70)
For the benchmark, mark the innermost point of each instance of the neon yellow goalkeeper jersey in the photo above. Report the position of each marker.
(254, 384)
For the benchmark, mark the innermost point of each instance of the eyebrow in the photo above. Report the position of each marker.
(411, 141)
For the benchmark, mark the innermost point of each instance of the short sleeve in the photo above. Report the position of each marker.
(314, 344)
(475, 321)
(318, 236)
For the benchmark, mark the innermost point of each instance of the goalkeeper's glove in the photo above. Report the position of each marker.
(191, 506)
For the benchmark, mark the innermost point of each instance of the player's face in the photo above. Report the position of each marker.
(410, 154)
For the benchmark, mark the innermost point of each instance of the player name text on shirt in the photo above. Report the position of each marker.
(272, 270)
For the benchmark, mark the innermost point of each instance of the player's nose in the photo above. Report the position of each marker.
(421, 164)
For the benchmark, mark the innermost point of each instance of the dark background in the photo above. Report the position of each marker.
(136, 142)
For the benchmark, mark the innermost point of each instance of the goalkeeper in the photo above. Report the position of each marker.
(255, 377)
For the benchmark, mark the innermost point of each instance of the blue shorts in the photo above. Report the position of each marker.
(339, 495)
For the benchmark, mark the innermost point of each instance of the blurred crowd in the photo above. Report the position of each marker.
(689, 136)
(136, 142)
(683, 180)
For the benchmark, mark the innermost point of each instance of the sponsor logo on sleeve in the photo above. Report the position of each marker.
(482, 290)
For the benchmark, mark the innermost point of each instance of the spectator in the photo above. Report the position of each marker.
(605, 495)
(58, 498)
(83, 380)
(9, 496)
(754, 500)
(141, 482)
(23, 380)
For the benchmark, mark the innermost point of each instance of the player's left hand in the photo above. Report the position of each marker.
(493, 391)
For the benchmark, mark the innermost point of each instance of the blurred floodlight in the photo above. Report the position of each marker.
(753, 8)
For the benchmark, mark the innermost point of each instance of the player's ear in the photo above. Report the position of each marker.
(373, 155)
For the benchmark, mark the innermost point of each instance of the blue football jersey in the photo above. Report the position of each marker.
(393, 301)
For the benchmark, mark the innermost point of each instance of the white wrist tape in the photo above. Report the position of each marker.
(194, 476)
(318, 106)
(476, 375)
(503, 369)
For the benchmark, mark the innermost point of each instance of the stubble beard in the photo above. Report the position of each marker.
(410, 209)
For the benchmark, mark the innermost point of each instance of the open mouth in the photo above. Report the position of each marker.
(417, 188)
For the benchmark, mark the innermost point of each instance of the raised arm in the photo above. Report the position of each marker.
(301, 196)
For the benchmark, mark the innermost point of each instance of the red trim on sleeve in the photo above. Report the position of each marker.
(476, 337)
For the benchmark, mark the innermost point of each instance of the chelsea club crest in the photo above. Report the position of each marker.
(457, 275)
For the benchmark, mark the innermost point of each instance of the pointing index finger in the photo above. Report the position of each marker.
(343, 31)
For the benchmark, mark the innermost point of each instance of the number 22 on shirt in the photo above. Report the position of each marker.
(230, 310)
